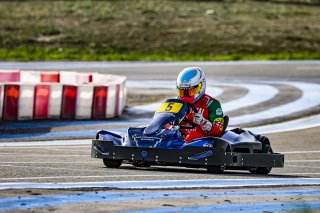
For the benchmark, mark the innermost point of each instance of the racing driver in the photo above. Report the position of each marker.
(191, 86)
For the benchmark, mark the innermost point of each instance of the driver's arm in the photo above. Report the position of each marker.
(213, 125)
(215, 116)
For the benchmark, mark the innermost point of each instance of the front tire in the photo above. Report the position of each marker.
(112, 163)
(263, 170)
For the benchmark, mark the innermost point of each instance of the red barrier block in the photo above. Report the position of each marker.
(68, 104)
(99, 102)
(51, 77)
(11, 102)
(84, 78)
(9, 75)
(117, 100)
(1, 101)
(41, 101)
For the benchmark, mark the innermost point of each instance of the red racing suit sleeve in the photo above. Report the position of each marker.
(215, 116)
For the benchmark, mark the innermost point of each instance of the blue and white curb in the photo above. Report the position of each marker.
(14, 203)
(257, 207)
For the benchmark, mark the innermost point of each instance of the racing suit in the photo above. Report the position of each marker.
(211, 111)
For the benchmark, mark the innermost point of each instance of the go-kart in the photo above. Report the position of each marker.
(156, 145)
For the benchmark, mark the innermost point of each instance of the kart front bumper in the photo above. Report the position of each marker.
(189, 156)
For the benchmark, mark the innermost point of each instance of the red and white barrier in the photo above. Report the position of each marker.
(121, 97)
(25, 102)
(55, 97)
(68, 102)
(84, 78)
(26, 95)
(111, 101)
(50, 77)
(30, 77)
(99, 103)
(84, 102)
(68, 77)
(9, 75)
(1, 99)
(11, 101)
(41, 101)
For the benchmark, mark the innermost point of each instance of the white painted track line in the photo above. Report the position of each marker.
(301, 152)
(310, 98)
(171, 184)
(303, 123)
(253, 97)
(47, 143)
(86, 177)
(298, 124)
(257, 93)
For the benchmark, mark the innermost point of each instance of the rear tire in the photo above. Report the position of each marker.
(263, 170)
(112, 163)
(216, 169)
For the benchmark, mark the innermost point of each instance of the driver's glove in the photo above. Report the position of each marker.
(202, 122)
(175, 127)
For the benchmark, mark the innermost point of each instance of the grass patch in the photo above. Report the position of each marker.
(168, 30)
(27, 53)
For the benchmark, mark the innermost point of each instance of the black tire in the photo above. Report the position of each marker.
(216, 169)
(141, 164)
(262, 139)
(263, 170)
(112, 163)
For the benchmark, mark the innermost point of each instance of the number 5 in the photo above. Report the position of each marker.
(169, 107)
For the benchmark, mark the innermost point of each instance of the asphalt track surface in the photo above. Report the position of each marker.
(64, 178)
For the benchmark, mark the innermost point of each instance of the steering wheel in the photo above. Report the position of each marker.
(193, 125)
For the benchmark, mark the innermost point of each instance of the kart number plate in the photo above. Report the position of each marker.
(170, 107)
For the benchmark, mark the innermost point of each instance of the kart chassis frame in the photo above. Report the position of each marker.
(189, 156)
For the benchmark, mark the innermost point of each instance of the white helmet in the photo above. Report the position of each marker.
(191, 84)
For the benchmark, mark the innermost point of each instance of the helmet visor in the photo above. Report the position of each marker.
(188, 92)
